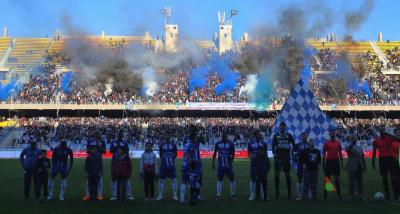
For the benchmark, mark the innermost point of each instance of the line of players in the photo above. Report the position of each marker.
(284, 150)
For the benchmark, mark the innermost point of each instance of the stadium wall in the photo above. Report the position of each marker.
(240, 154)
(181, 110)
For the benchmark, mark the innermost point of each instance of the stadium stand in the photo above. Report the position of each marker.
(139, 130)
(28, 53)
(4, 44)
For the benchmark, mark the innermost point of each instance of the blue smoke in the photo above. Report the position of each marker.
(308, 53)
(221, 66)
(366, 89)
(229, 82)
(263, 91)
(198, 78)
(305, 73)
(353, 82)
(13, 87)
(66, 79)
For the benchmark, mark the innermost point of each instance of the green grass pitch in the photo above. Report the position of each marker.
(11, 181)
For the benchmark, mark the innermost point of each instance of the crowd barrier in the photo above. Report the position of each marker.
(188, 106)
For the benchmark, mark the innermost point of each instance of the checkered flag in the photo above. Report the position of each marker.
(301, 113)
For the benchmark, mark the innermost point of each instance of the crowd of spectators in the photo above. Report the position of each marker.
(140, 130)
(393, 56)
(44, 86)
(328, 59)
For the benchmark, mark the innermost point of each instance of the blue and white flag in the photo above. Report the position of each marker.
(301, 113)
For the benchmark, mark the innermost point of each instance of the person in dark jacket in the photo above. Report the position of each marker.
(43, 166)
(355, 166)
(262, 166)
(96, 142)
(93, 170)
(311, 159)
(28, 158)
(121, 169)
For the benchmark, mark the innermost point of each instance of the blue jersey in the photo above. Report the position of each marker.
(116, 145)
(225, 152)
(191, 153)
(29, 158)
(254, 147)
(60, 157)
(168, 153)
(194, 179)
(99, 144)
(300, 150)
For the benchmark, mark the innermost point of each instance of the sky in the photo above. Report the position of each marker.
(197, 19)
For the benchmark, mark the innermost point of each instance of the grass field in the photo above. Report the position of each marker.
(12, 193)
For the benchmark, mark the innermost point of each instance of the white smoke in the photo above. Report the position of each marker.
(109, 87)
(150, 81)
(250, 85)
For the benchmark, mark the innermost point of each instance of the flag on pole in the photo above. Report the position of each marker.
(234, 13)
(329, 187)
(301, 113)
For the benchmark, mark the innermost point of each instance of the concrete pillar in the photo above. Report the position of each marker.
(380, 37)
(5, 32)
(171, 37)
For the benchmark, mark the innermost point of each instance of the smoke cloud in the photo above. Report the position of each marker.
(9, 89)
(135, 68)
(354, 19)
(285, 56)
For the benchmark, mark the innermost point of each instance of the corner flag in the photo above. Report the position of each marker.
(328, 185)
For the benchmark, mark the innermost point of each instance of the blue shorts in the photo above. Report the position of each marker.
(300, 170)
(228, 170)
(62, 170)
(185, 176)
(253, 174)
(185, 172)
(167, 172)
(199, 167)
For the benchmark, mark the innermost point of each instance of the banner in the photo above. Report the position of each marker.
(219, 106)
(206, 154)
(8, 123)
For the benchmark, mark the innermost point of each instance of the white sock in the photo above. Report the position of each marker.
(50, 187)
(160, 187)
(232, 185)
(183, 190)
(174, 186)
(87, 188)
(262, 192)
(252, 187)
(219, 188)
(299, 189)
(114, 188)
(63, 187)
(100, 186)
(129, 189)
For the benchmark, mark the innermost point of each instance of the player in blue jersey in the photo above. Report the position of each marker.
(168, 153)
(60, 166)
(114, 150)
(96, 141)
(191, 154)
(299, 152)
(226, 155)
(253, 149)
